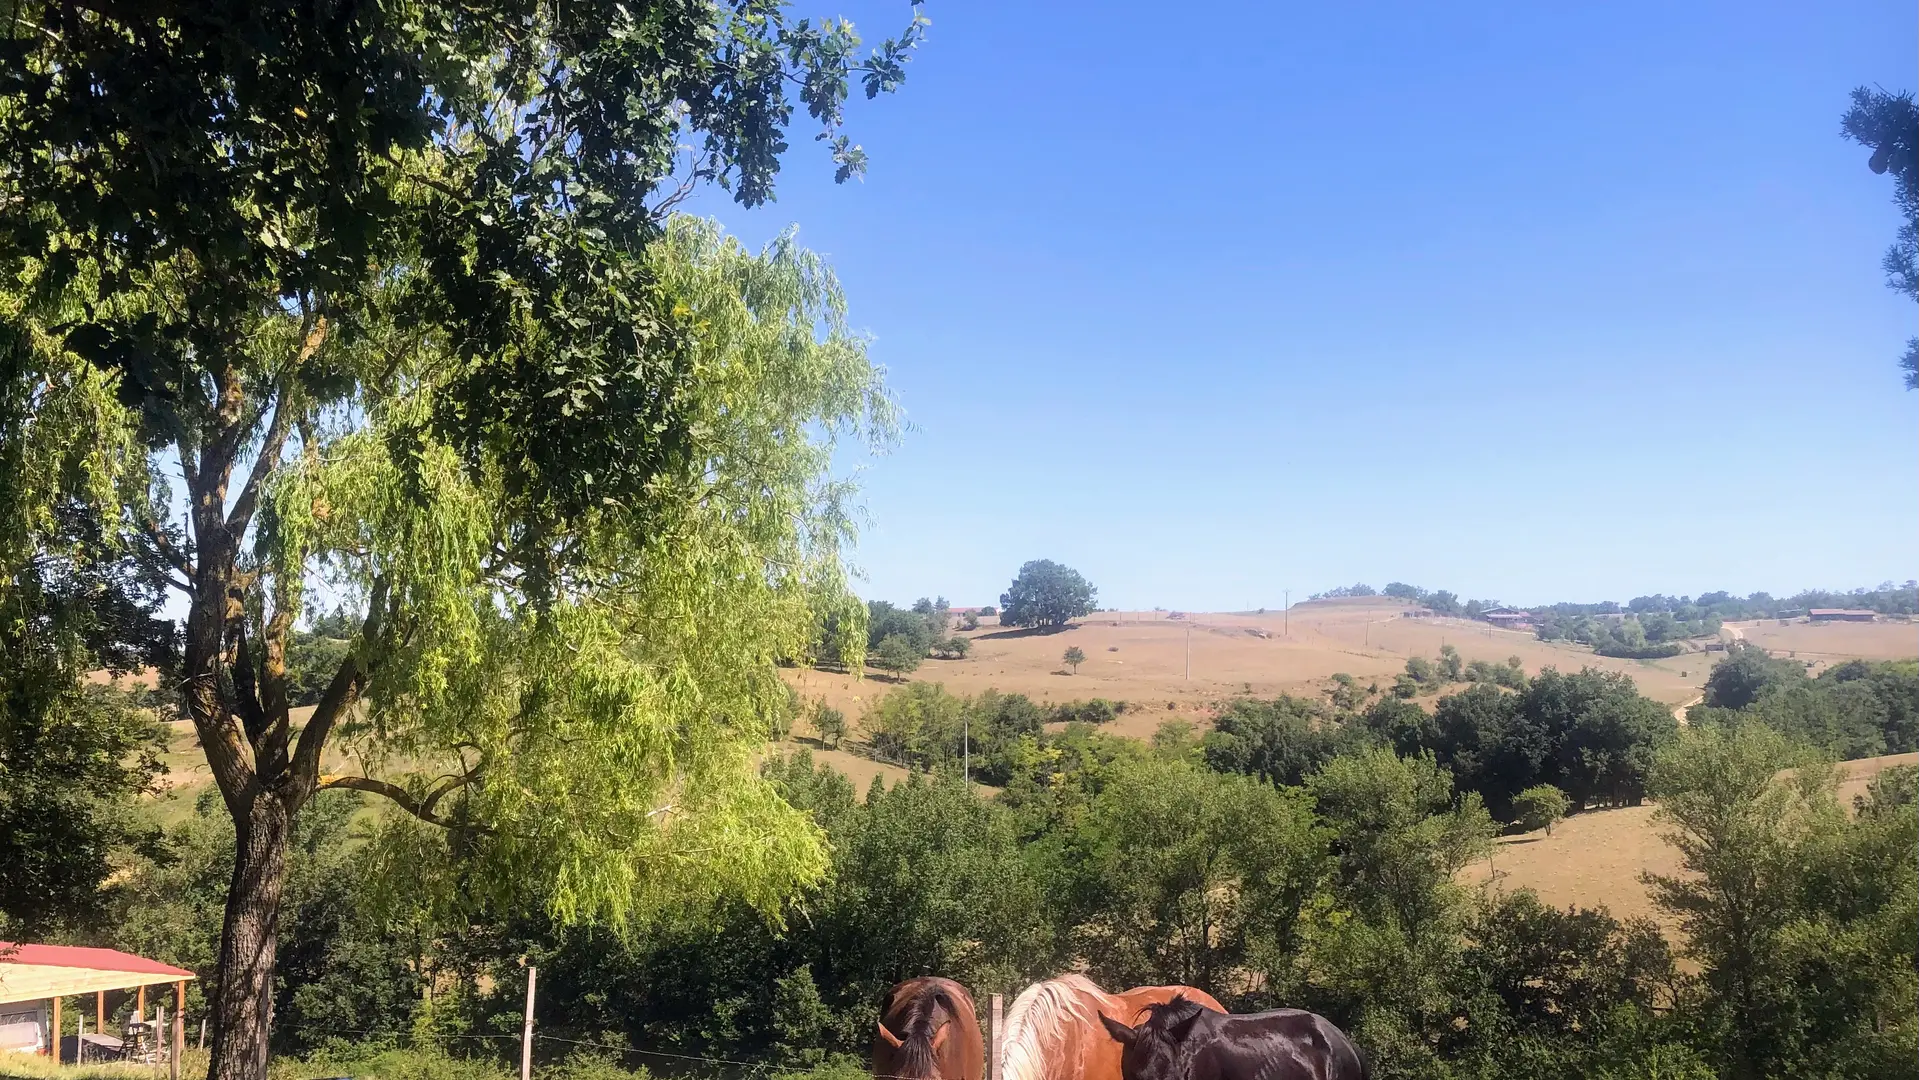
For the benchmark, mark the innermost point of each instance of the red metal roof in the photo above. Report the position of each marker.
(76, 956)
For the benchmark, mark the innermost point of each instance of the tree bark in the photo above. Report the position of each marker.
(243, 1006)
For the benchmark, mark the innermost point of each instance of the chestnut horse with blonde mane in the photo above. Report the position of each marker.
(1053, 1030)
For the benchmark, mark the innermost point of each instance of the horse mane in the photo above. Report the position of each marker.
(1171, 1014)
(1036, 1024)
(923, 1021)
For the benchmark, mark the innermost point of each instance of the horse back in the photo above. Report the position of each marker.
(1283, 1044)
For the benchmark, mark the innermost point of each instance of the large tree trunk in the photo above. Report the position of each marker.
(243, 1008)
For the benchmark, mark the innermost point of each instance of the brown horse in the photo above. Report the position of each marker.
(928, 1031)
(1054, 1032)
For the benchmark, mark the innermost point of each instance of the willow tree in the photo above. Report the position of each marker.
(388, 287)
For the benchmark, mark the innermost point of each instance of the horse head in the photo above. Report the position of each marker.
(917, 1049)
(1152, 1050)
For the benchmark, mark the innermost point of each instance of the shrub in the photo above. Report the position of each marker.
(1539, 807)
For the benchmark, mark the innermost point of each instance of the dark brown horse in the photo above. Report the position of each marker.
(929, 1031)
(1184, 1040)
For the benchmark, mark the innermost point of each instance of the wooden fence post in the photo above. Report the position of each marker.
(54, 1041)
(998, 1036)
(179, 1042)
(526, 1033)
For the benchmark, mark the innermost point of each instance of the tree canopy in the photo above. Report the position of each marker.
(1888, 124)
(1045, 593)
(395, 293)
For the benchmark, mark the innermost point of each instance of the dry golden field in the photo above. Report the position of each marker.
(1829, 643)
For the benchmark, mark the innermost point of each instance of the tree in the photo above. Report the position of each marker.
(954, 648)
(1046, 594)
(1073, 658)
(1443, 602)
(1282, 740)
(1450, 663)
(392, 288)
(1889, 124)
(883, 621)
(1742, 832)
(1540, 807)
(898, 655)
(72, 757)
(829, 723)
(1421, 670)
(1745, 675)
(1184, 873)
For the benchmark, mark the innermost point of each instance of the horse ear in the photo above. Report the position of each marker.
(887, 1035)
(1179, 1030)
(1120, 1032)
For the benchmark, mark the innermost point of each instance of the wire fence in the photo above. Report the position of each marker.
(686, 1063)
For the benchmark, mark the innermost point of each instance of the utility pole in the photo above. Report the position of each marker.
(1288, 612)
(1189, 652)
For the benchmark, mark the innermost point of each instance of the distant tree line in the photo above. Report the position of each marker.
(1852, 710)
(924, 725)
(1590, 734)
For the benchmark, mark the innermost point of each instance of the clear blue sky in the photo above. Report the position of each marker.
(1211, 300)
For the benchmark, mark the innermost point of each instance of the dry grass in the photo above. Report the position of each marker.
(193, 1063)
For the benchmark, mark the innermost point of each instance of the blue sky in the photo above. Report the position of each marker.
(1214, 300)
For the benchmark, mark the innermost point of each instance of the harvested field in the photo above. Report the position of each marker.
(1830, 643)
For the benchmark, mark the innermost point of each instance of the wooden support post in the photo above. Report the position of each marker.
(998, 1037)
(80, 1039)
(100, 1011)
(179, 1046)
(526, 1033)
(203, 1033)
(53, 1039)
(159, 1034)
(140, 1008)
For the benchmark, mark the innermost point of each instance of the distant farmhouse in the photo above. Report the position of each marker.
(1509, 618)
(1832, 614)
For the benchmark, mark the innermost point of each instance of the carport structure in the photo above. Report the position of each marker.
(35, 978)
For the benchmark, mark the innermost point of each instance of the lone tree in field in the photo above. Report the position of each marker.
(1046, 594)
(1073, 658)
(898, 655)
(392, 291)
(1540, 807)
